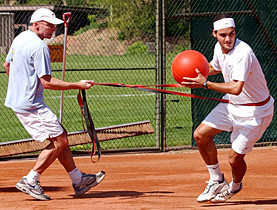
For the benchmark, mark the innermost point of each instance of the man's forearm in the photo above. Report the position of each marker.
(57, 84)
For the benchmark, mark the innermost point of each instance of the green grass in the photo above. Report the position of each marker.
(109, 105)
(127, 61)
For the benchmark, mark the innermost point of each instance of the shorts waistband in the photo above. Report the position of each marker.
(259, 103)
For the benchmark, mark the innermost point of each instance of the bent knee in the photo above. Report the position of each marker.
(61, 141)
(199, 136)
(201, 133)
(204, 133)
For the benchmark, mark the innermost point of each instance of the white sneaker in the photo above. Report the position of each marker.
(212, 189)
(34, 189)
(224, 196)
(88, 181)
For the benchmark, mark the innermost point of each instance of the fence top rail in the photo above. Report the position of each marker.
(51, 7)
(205, 14)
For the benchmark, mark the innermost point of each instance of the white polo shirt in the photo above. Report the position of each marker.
(29, 60)
(241, 64)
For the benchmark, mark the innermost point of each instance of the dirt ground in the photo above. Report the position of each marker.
(170, 180)
(94, 42)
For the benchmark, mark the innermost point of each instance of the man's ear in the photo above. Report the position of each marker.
(36, 25)
(214, 33)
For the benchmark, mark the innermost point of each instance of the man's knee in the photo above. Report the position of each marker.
(204, 133)
(197, 135)
(61, 141)
(201, 134)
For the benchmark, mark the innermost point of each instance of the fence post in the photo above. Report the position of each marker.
(163, 78)
(160, 75)
(158, 112)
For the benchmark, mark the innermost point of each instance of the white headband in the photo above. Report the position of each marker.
(224, 23)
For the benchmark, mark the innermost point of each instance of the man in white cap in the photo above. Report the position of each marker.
(29, 70)
(247, 116)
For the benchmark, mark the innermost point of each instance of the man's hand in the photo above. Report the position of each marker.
(86, 84)
(196, 82)
(6, 66)
(53, 83)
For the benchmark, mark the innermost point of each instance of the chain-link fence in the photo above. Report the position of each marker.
(256, 25)
(134, 42)
(105, 45)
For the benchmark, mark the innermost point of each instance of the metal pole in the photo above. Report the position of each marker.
(66, 22)
(160, 75)
(163, 76)
(157, 108)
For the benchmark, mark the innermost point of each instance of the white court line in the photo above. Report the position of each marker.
(108, 96)
(105, 96)
(98, 96)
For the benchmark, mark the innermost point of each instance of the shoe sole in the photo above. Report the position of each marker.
(221, 190)
(203, 201)
(223, 201)
(95, 183)
(23, 189)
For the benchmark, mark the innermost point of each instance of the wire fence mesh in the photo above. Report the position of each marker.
(102, 47)
(119, 42)
(256, 25)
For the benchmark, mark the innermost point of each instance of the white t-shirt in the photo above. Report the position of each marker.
(29, 60)
(241, 64)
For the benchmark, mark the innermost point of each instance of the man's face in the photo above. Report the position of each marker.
(46, 29)
(226, 38)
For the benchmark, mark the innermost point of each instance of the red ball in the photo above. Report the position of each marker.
(185, 63)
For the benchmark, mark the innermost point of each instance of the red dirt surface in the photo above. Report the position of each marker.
(170, 180)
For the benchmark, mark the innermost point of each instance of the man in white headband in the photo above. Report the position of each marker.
(224, 23)
(247, 117)
(29, 69)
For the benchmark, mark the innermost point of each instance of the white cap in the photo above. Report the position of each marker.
(224, 23)
(47, 15)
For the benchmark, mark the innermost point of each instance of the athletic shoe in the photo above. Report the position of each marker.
(33, 189)
(224, 196)
(88, 181)
(212, 189)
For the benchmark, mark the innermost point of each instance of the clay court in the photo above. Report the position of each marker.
(170, 180)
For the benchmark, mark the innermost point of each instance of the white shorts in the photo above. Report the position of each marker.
(246, 131)
(41, 124)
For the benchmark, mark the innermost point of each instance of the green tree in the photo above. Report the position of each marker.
(133, 18)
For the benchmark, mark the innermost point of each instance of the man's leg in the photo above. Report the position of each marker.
(51, 153)
(30, 184)
(66, 159)
(81, 182)
(243, 141)
(59, 148)
(238, 166)
(203, 136)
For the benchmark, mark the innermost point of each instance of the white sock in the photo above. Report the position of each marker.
(75, 176)
(234, 186)
(32, 176)
(215, 172)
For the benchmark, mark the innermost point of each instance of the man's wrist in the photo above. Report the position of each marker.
(205, 85)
